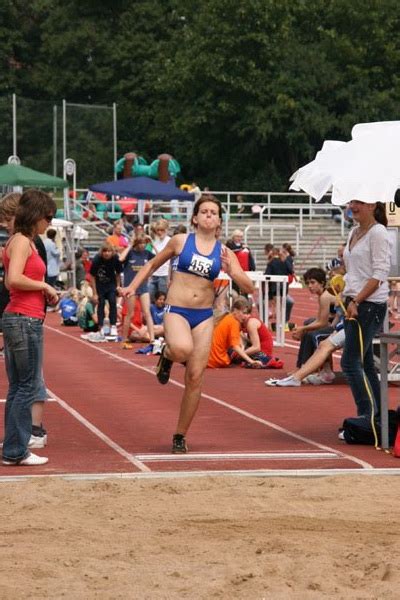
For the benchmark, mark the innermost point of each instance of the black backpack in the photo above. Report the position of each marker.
(358, 430)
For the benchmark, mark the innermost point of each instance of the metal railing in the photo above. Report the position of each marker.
(261, 283)
(265, 210)
(272, 229)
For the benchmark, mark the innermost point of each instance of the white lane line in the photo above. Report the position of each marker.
(235, 409)
(47, 400)
(191, 474)
(236, 456)
(104, 438)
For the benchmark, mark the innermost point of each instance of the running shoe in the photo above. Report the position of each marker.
(179, 444)
(286, 382)
(97, 338)
(37, 441)
(114, 331)
(163, 368)
(32, 460)
(41, 431)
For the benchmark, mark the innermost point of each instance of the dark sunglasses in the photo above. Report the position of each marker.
(49, 218)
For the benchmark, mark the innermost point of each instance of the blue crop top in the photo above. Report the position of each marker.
(191, 261)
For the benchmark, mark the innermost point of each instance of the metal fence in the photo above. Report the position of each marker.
(43, 133)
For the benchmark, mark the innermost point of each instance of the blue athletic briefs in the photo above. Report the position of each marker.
(194, 316)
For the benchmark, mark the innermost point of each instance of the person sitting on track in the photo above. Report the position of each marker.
(260, 343)
(315, 280)
(157, 310)
(188, 321)
(227, 347)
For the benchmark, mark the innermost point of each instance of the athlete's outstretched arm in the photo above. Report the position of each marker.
(148, 269)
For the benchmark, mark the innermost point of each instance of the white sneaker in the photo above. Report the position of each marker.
(286, 382)
(341, 435)
(114, 331)
(32, 460)
(320, 379)
(96, 338)
(313, 379)
(37, 441)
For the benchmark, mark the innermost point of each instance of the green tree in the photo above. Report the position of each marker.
(241, 93)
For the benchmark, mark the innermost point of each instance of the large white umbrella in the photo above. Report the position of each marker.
(367, 168)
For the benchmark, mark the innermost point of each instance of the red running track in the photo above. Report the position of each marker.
(109, 415)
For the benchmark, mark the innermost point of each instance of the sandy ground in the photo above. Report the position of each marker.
(250, 538)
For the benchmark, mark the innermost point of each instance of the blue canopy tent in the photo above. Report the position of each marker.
(143, 188)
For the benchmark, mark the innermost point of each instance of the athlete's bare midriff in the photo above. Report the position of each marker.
(190, 291)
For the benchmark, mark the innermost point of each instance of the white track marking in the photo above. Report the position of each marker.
(104, 438)
(191, 474)
(235, 409)
(47, 400)
(193, 456)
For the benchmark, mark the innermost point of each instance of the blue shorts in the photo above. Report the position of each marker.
(194, 316)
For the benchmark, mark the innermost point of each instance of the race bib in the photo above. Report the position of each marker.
(200, 265)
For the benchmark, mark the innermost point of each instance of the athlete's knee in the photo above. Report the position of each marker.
(179, 352)
(194, 377)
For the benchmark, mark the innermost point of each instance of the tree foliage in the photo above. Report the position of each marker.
(242, 93)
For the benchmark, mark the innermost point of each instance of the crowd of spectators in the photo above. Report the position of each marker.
(239, 336)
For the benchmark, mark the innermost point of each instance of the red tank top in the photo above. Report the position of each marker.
(266, 339)
(28, 302)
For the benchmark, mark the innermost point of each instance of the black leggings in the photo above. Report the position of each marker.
(309, 344)
(111, 296)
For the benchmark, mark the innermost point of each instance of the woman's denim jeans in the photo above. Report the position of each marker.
(23, 349)
(158, 283)
(370, 318)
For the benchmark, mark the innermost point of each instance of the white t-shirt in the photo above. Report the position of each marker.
(368, 259)
(159, 245)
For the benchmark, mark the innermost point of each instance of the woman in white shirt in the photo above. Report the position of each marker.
(159, 279)
(367, 262)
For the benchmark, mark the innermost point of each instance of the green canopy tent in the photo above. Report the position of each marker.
(13, 175)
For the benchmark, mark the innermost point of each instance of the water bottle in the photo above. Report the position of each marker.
(106, 327)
